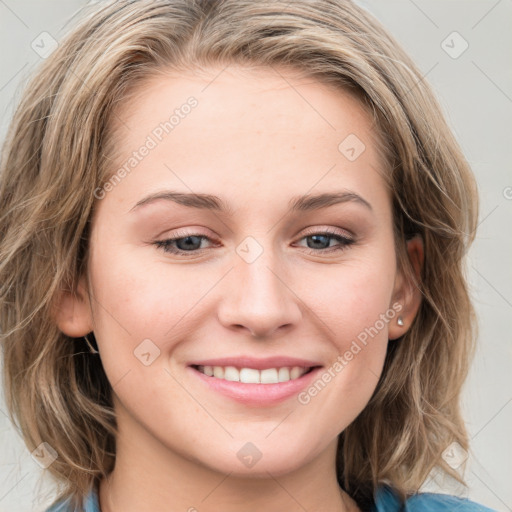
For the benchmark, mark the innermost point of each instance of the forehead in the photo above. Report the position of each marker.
(282, 92)
(251, 129)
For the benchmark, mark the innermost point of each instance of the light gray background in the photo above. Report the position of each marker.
(475, 90)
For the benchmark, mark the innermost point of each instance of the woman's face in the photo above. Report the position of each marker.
(256, 279)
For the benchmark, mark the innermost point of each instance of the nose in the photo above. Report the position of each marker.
(257, 298)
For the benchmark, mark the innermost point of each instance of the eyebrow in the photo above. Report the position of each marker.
(215, 203)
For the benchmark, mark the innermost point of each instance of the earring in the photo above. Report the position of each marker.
(400, 321)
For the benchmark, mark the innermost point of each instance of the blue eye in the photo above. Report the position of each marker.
(188, 244)
(191, 243)
(324, 238)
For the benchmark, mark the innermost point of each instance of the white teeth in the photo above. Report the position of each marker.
(284, 374)
(253, 376)
(248, 375)
(295, 372)
(231, 373)
(268, 376)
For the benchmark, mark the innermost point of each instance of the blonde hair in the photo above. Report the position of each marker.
(56, 154)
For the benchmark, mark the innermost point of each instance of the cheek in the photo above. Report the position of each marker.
(351, 296)
(354, 307)
(141, 296)
(353, 304)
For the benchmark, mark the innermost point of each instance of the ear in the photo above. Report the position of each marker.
(406, 292)
(72, 311)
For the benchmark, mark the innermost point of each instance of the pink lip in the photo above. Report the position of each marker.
(257, 364)
(257, 395)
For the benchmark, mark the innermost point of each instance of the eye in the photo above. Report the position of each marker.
(190, 243)
(321, 242)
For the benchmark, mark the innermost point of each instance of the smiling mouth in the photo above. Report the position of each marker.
(253, 375)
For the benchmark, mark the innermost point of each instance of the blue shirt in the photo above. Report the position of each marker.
(386, 501)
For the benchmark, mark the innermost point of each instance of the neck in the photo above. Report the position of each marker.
(149, 477)
(115, 497)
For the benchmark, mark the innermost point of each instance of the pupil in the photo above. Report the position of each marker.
(187, 242)
(315, 238)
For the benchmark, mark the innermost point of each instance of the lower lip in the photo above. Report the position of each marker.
(257, 395)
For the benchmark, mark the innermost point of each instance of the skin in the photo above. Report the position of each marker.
(256, 139)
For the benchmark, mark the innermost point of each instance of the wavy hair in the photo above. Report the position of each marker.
(57, 152)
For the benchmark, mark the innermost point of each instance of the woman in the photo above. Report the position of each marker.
(309, 352)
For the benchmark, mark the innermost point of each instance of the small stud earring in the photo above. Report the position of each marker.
(400, 321)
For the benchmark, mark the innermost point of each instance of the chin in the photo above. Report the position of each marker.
(246, 459)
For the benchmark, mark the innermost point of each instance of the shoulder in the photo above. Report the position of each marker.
(60, 506)
(429, 501)
(387, 501)
(91, 504)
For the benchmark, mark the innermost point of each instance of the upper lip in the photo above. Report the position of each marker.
(258, 364)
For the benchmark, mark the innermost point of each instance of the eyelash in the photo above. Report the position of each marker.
(165, 245)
